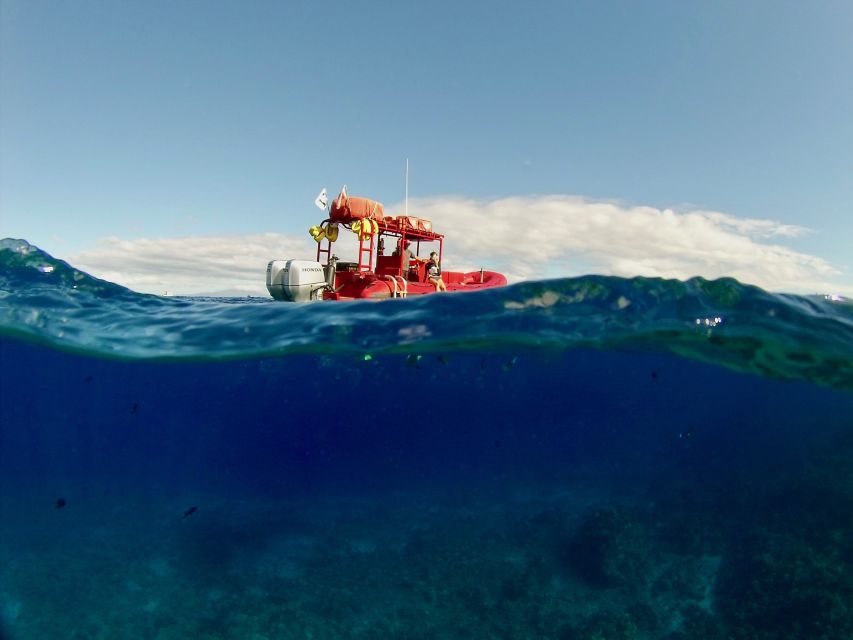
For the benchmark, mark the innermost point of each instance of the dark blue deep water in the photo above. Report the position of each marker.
(581, 459)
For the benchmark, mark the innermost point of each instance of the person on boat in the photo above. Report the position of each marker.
(408, 255)
(433, 270)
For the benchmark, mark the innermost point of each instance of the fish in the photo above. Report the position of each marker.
(510, 364)
(134, 408)
(190, 511)
(60, 503)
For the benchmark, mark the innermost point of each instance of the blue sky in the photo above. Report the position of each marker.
(134, 131)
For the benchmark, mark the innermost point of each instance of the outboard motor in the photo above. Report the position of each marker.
(296, 280)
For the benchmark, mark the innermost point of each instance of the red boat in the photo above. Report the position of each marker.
(377, 274)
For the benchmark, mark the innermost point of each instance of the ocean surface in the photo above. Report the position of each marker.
(592, 458)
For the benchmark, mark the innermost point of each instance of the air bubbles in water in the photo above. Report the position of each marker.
(709, 322)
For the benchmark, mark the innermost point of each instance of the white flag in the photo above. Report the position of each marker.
(322, 200)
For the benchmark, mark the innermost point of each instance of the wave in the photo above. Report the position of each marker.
(48, 301)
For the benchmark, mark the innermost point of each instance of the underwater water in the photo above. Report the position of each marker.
(577, 459)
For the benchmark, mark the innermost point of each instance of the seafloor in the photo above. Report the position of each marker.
(574, 565)
(695, 561)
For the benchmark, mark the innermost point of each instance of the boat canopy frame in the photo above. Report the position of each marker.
(368, 244)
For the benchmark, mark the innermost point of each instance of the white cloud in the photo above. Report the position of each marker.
(750, 226)
(234, 265)
(554, 236)
(524, 237)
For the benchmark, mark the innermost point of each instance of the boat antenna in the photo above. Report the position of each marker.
(407, 187)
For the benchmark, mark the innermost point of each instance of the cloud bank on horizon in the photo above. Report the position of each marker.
(526, 238)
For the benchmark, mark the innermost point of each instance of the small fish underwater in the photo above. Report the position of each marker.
(579, 459)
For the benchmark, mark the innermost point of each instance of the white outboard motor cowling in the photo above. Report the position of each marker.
(296, 280)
